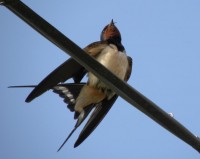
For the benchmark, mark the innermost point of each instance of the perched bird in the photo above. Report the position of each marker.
(95, 96)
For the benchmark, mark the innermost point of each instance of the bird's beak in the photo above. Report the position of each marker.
(112, 22)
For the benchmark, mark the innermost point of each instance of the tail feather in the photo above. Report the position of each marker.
(68, 91)
(25, 86)
(97, 116)
(81, 118)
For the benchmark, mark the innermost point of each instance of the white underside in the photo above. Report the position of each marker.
(113, 60)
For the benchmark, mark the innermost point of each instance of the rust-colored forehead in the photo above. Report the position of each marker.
(110, 31)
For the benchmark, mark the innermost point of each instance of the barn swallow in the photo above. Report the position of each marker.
(95, 96)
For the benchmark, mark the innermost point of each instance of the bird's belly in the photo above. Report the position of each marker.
(113, 60)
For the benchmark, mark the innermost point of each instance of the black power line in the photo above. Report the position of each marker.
(124, 90)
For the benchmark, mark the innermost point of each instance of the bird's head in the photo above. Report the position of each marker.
(110, 31)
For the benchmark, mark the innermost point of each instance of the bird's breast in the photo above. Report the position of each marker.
(114, 60)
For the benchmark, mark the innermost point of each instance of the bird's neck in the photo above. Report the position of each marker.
(117, 43)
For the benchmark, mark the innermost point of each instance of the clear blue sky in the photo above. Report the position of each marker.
(162, 37)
